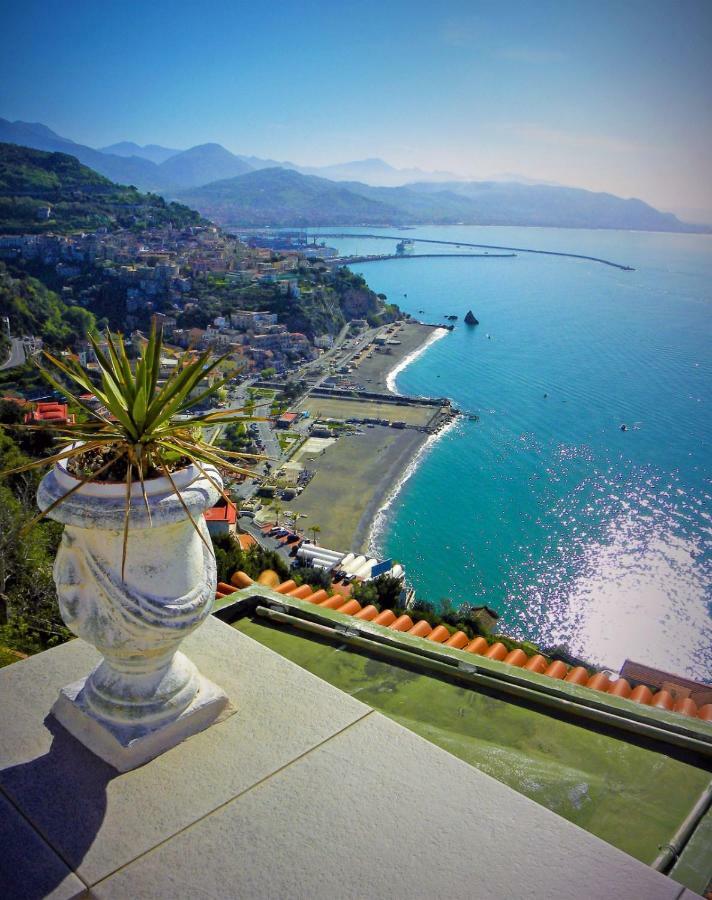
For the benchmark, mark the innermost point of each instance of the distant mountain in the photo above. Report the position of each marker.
(509, 203)
(508, 176)
(41, 191)
(368, 191)
(375, 172)
(201, 165)
(256, 162)
(282, 197)
(153, 152)
(180, 169)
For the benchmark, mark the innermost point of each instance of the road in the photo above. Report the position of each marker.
(17, 355)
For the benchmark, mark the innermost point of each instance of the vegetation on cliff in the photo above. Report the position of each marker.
(42, 192)
(34, 309)
(29, 614)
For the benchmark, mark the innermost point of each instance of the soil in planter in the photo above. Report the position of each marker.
(89, 463)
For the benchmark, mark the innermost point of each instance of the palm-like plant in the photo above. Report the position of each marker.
(143, 427)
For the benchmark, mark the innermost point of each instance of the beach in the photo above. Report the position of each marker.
(374, 374)
(360, 473)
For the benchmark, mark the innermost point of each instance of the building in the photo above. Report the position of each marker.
(221, 518)
(56, 413)
(476, 778)
(286, 420)
(252, 321)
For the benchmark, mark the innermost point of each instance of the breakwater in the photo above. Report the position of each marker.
(348, 260)
(386, 237)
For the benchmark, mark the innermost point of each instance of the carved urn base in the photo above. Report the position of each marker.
(160, 724)
(145, 696)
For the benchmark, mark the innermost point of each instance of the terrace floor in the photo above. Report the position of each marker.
(627, 793)
(307, 791)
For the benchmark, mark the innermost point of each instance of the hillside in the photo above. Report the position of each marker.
(284, 197)
(131, 170)
(34, 309)
(150, 168)
(78, 197)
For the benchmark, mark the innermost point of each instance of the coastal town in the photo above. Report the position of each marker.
(329, 440)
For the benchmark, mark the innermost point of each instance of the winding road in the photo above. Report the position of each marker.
(17, 355)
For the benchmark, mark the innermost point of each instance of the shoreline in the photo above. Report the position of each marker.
(403, 364)
(359, 477)
(374, 520)
(379, 519)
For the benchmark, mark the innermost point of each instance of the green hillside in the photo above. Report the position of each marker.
(34, 309)
(78, 197)
(284, 197)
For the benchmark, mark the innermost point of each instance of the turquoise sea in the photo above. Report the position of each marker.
(576, 531)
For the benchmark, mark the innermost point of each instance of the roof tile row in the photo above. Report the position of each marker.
(539, 664)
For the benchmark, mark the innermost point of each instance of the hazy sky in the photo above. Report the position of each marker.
(605, 95)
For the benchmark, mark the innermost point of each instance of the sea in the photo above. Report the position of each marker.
(574, 496)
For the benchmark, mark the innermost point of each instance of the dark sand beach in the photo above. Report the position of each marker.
(356, 475)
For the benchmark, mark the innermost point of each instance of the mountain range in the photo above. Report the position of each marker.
(283, 197)
(249, 190)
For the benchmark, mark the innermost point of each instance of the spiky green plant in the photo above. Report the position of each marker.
(141, 425)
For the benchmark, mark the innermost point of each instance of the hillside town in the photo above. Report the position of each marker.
(176, 277)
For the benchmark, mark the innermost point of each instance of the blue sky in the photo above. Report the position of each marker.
(606, 95)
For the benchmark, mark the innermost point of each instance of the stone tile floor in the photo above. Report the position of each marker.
(305, 792)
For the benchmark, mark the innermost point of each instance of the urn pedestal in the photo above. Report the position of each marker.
(144, 696)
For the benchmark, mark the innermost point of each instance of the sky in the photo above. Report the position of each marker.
(611, 95)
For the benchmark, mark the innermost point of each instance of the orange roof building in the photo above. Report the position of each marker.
(221, 518)
(53, 412)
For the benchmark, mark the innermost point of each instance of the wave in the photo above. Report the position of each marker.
(378, 525)
(407, 360)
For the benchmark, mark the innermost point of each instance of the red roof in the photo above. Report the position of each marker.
(222, 512)
(50, 412)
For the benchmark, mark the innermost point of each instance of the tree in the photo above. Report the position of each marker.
(269, 372)
(315, 529)
(317, 578)
(230, 559)
(384, 592)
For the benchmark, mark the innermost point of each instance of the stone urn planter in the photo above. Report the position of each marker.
(144, 696)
